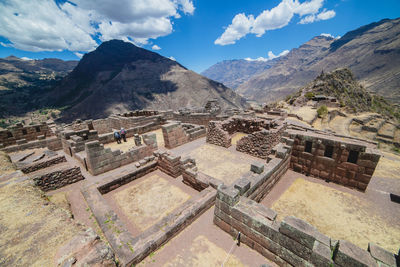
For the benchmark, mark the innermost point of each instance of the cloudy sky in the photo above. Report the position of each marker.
(197, 33)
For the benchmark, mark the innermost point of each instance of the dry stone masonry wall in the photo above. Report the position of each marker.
(176, 133)
(349, 164)
(59, 178)
(292, 242)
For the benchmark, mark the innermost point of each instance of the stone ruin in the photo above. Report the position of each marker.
(81, 155)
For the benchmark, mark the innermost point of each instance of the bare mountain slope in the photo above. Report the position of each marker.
(372, 52)
(234, 72)
(22, 82)
(119, 76)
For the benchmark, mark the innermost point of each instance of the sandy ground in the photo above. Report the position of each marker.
(221, 163)
(140, 205)
(237, 136)
(130, 142)
(306, 112)
(388, 166)
(5, 164)
(340, 214)
(204, 244)
(31, 228)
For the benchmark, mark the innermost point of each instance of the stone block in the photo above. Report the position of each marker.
(242, 184)
(229, 195)
(299, 230)
(257, 167)
(321, 255)
(348, 254)
(382, 255)
(295, 247)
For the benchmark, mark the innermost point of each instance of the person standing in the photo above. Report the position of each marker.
(117, 137)
(123, 134)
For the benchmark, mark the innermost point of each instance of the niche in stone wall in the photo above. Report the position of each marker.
(37, 128)
(328, 151)
(9, 134)
(24, 132)
(353, 156)
(308, 147)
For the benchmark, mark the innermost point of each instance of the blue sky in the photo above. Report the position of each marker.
(196, 33)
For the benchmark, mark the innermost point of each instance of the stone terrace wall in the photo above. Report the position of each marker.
(176, 133)
(52, 143)
(59, 178)
(336, 168)
(260, 144)
(11, 135)
(43, 164)
(99, 159)
(292, 242)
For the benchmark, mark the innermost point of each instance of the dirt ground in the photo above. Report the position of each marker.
(237, 136)
(204, 244)
(6, 165)
(221, 163)
(306, 112)
(148, 201)
(31, 228)
(338, 214)
(388, 166)
(130, 142)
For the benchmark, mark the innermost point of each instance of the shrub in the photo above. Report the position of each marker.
(322, 111)
(309, 95)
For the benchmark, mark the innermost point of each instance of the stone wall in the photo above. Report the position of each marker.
(99, 159)
(263, 134)
(43, 164)
(176, 133)
(52, 143)
(74, 141)
(196, 118)
(169, 163)
(335, 167)
(259, 144)
(58, 179)
(11, 135)
(292, 242)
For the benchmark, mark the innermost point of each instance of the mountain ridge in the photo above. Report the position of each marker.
(119, 76)
(371, 52)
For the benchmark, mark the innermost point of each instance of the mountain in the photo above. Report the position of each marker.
(371, 52)
(350, 94)
(23, 81)
(234, 72)
(118, 76)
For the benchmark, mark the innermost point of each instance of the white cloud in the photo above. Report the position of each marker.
(42, 25)
(275, 18)
(324, 15)
(26, 58)
(156, 47)
(327, 35)
(79, 55)
(172, 58)
(270, 56)
(240, 26)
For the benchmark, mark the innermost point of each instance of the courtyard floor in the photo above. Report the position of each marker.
(337, 211)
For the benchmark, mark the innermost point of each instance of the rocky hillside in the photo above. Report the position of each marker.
(372, 52)
(350, 94)
(22, 82)
(233, 73)
(119, 76)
